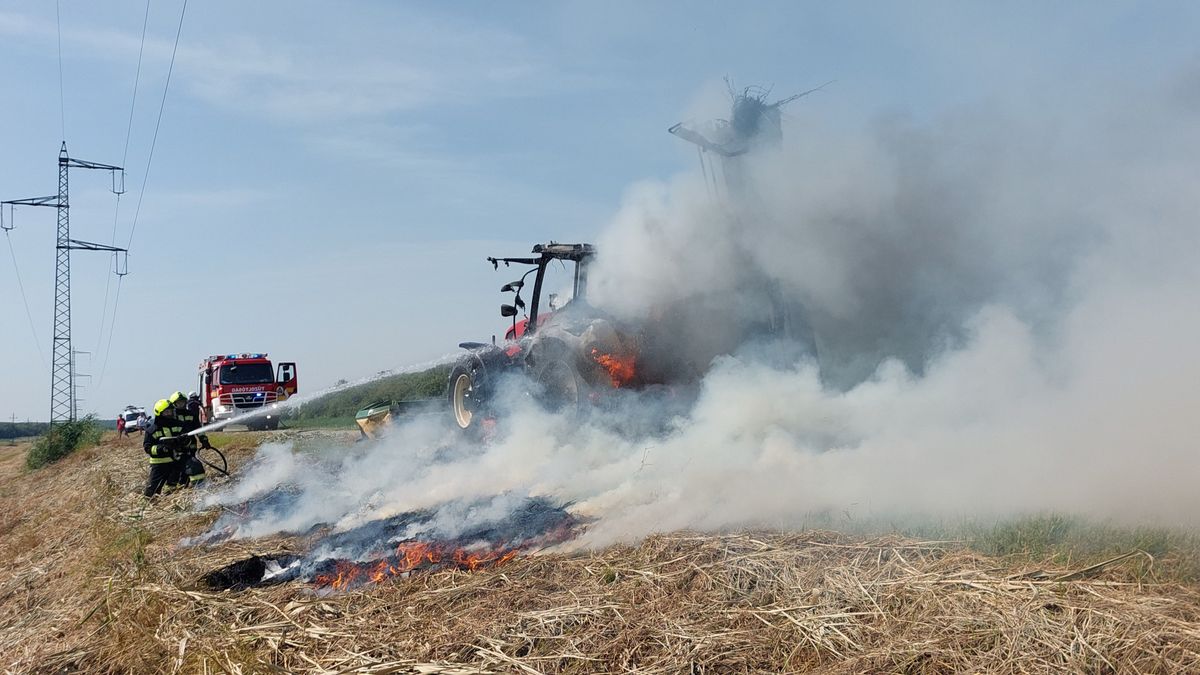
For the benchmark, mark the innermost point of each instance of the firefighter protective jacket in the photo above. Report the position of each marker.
(190, 421)
(160, 438)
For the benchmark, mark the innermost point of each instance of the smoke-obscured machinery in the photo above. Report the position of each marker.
(571, 354)
(568, 354)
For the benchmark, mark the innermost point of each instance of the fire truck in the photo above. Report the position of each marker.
(236, 384)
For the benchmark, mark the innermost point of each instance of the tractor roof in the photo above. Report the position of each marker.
(575, 252)
(553, 251)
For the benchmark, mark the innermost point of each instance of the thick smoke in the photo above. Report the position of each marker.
(1007, 308)
(892, 239)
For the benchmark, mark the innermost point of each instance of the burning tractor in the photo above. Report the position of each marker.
(545, 345)
(572, 354)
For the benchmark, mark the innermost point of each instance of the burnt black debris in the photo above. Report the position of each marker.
(253, 571)
(462, 535)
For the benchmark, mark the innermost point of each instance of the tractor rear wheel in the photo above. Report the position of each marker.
(558, 386)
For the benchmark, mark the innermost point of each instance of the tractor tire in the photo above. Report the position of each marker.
(558, 386)
(464, 394)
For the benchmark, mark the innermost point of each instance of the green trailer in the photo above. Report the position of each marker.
(374, 420)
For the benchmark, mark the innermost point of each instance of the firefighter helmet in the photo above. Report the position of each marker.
(162, 405)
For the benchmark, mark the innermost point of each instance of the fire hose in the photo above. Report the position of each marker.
(214, 466)
(182, 453)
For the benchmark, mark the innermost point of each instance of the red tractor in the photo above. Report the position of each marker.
(572, 354)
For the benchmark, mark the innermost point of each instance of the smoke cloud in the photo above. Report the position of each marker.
(1006, 305)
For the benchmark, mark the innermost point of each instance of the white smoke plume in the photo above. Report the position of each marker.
(1007, 305)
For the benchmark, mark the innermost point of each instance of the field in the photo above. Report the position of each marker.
(94, 581)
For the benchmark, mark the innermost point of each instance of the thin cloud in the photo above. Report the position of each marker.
(359, 74)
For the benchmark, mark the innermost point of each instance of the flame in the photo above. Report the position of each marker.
(620, 368)
(469, 553)
(410, 556)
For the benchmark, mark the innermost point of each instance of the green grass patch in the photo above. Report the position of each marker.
(1163, 553)
(221, 439)
(320, 423)
(131, 546)
(61, 440)
(343, 404)
(1167, 553)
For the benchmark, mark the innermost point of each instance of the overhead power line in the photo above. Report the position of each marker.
(136, 78)
(154, 140)
(117, 209)
(108, 278)
(37, 341)
(145, 178)
(111, 326)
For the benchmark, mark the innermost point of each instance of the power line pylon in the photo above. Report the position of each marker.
(78, 376)
(63, 405)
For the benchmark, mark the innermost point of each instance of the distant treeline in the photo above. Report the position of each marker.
(28, 429)
(22, 429)
(345, 403)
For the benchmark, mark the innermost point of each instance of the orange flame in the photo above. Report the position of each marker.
(416, 556)
(408, 557)
(620, 368)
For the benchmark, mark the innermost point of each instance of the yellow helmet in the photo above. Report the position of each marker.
(176, 398)
(162, 405)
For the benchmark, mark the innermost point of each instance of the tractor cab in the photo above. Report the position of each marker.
(551, 260)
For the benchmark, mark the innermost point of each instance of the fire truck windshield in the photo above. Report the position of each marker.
(247, 373)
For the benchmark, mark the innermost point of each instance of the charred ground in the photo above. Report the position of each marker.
(93, 582)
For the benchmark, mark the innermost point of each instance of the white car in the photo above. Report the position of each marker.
(131, 415)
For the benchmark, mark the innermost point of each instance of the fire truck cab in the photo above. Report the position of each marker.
(237, 384)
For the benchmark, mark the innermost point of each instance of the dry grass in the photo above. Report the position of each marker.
(103, 589)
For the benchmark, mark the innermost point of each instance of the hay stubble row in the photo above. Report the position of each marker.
(98, 585)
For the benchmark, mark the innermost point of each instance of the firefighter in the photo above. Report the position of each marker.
(194, 407)
(162, 434)
(190, 470)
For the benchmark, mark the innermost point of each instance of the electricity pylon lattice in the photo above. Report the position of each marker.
(63, 404)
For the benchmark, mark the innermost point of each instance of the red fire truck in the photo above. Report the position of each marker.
(236, 384)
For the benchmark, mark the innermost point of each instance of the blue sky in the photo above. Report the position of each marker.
(329, 177)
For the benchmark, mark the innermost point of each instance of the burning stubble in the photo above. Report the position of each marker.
(409, 543)
(1006, 309)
